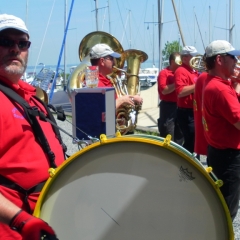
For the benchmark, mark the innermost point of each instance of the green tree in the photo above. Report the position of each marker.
(169, 48)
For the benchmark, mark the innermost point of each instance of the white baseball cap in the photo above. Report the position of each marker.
(189, 50)
(102, 50)
(220, 47)
(10, 21)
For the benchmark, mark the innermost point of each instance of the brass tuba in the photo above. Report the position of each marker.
(197, 63)
(122, 87)
(126, 115)
(91, 39)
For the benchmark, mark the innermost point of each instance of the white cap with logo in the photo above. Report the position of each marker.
(189, 50)
(10, 21)
(102, 50)
(220, 47)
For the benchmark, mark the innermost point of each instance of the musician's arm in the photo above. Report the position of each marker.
(187, 90)
(168, 89)
(7, 210)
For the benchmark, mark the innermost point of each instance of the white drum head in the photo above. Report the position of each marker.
(133, 189)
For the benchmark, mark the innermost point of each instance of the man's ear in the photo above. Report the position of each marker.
(219, 59)
(101, 61)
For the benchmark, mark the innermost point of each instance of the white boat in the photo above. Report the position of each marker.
(28, 77)
(148, 77)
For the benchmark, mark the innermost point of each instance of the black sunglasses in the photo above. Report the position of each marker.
(231, 56)
(8, 43)
(109, 58)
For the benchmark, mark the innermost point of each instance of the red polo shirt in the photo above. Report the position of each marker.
(185, 76)
(19, 151)
(200, 144)
(166, 77)
(221, 110)
(103, 81)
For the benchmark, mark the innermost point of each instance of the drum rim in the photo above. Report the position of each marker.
(104, 140)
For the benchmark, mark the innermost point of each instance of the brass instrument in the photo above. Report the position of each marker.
(236, 72)
(128, 86)
(126, 115)
(178, 60)
(134, 58)
(197, 63)
(40, 93)
(77, 77)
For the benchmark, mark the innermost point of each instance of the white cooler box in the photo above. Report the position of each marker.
(94, 112)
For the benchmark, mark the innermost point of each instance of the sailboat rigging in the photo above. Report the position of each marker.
(60, 55)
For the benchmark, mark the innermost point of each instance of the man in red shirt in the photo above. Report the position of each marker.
(185, 78)
(102, 55)
(221, 112)
(200, 144)
(24, 163)
(167, 123)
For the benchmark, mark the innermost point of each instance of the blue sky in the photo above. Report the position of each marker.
(128, 23)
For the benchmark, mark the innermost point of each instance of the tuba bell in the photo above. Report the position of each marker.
(198, 64)
(77, 77)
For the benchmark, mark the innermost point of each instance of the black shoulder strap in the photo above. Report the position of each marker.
(54, 126)
(31, 113)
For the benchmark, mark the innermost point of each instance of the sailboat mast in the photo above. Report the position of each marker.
(96, 14)
(60, 55)
(209, 24)
(160, 24)
(65, 48)
(109, 17)
(179, 26)
(153, 38)
(230, 21)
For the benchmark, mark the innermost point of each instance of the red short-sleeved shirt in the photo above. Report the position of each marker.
(166, 77)
(103, 81)
(19, 151)
(200, 144)
(184, 76)
(221, 109)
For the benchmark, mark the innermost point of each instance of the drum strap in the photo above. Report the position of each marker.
(31, 113)
(26, 192)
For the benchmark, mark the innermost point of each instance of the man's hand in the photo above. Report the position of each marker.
(31, 227)
(137, 99)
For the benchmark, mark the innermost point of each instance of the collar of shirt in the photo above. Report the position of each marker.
(188, 68)
(104, 80)
(24, 89)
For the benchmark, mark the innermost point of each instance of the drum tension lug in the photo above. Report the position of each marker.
(219, 183)
(51, 172)
(103, 138)
(118, 134)
(167, 140)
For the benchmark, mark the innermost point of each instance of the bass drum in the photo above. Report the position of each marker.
(133, 188)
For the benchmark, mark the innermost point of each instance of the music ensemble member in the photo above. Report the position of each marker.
(102, 55)
(23, 162)
(167, 122)
(185, 77)
(221, 112)
(200, 143)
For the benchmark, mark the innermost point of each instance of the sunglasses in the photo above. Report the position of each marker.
(8, 43)
(109, 58)
(231, 56)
